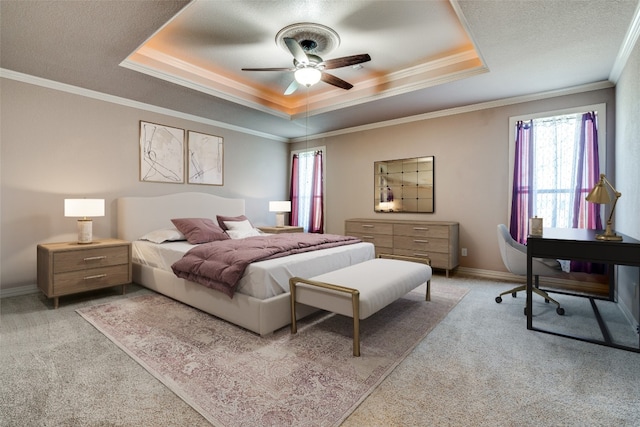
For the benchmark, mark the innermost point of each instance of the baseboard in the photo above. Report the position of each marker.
(598, 289)
(18, 290)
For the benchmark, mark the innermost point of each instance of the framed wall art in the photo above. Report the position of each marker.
(205, 159)
(161, 153)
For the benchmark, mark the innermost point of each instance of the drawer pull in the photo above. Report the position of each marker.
(367, 226)
(421, 241)
(94, 258)
(97, 276)
(421, 228)
(368, 237)
(419, 254)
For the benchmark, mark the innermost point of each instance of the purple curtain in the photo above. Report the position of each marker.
(294, 194)
(317, 197)
(587, 215)
(521, 200)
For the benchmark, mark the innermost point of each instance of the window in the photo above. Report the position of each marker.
(553, 168)
(307, 189)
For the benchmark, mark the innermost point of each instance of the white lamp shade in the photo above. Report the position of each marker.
(83, 208)
(307, 76)
(280, 206)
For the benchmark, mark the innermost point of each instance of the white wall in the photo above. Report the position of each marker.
(56, 145)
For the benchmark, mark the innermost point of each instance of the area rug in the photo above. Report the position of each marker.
(234, 377)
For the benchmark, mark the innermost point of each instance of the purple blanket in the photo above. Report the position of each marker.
(220, 265)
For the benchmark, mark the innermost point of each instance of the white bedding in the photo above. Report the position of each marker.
(263, 279)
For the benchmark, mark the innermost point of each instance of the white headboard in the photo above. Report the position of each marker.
(140, 215)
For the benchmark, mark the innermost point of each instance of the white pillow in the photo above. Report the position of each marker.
(238, 225)
(241, 234)
(164, 235)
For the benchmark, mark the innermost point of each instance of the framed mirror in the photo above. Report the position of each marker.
(404, 185)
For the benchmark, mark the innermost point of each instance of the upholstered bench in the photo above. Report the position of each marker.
(360, 290)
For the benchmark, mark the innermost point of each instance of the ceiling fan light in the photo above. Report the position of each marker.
(307, 76)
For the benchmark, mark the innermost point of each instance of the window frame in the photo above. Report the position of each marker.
(600, 109)
(322, 148)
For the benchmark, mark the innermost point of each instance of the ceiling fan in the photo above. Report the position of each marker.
(308, 67)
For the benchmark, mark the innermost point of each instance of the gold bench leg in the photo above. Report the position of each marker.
(355, 301)
(422, 260)
(292, 290)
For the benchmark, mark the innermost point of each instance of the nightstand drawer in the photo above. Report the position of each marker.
(89, 258)
(89, 279)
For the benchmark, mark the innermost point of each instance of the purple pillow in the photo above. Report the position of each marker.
(221, 219)
(199, 230)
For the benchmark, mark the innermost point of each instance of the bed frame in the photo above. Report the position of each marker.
(140, 215)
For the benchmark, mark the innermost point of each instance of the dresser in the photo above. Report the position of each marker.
(70, 268)
(437, 240)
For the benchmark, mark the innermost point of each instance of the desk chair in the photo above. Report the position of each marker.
(514, 256)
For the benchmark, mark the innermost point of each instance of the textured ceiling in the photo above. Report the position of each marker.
(407, 54)
(522, 47)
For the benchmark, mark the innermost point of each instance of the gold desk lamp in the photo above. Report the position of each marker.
(599, 194)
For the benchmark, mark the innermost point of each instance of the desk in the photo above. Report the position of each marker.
(579, 244)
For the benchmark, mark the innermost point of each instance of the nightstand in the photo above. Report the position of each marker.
(70, 268)
(280, 230)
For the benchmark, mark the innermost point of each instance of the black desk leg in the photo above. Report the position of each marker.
(529, 305)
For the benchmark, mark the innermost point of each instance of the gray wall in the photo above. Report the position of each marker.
(471, 169)
(57, 145)
(627, 177)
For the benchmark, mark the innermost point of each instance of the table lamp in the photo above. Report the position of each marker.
(84, 208)
(280, 207)
(600, 194)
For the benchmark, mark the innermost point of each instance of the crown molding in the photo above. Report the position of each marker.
(464, 109)
(628, 44)
(63, 87)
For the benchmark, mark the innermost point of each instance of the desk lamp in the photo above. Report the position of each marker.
(600, 194)
(280, 208)
(84, 208)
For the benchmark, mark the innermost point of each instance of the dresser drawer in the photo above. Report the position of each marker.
(438, 259)
(379, 240)
(421, 230)
(421, 244)
(363, 227)
(89, 279)
(89, 258)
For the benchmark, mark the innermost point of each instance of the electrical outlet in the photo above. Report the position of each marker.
(464, 251)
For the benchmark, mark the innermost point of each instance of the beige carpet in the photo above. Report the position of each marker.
(234, 377)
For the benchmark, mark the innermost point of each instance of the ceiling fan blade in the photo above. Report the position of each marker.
(346, 61)
(296, 50)
(291, 88)
(268, 69)
(335, 81)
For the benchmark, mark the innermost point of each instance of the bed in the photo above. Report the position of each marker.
(261, 310)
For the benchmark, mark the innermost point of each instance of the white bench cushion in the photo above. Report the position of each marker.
(380, 282)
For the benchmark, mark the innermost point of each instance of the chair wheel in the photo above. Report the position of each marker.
(560, 311)
(498, 300)
(514, 294)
